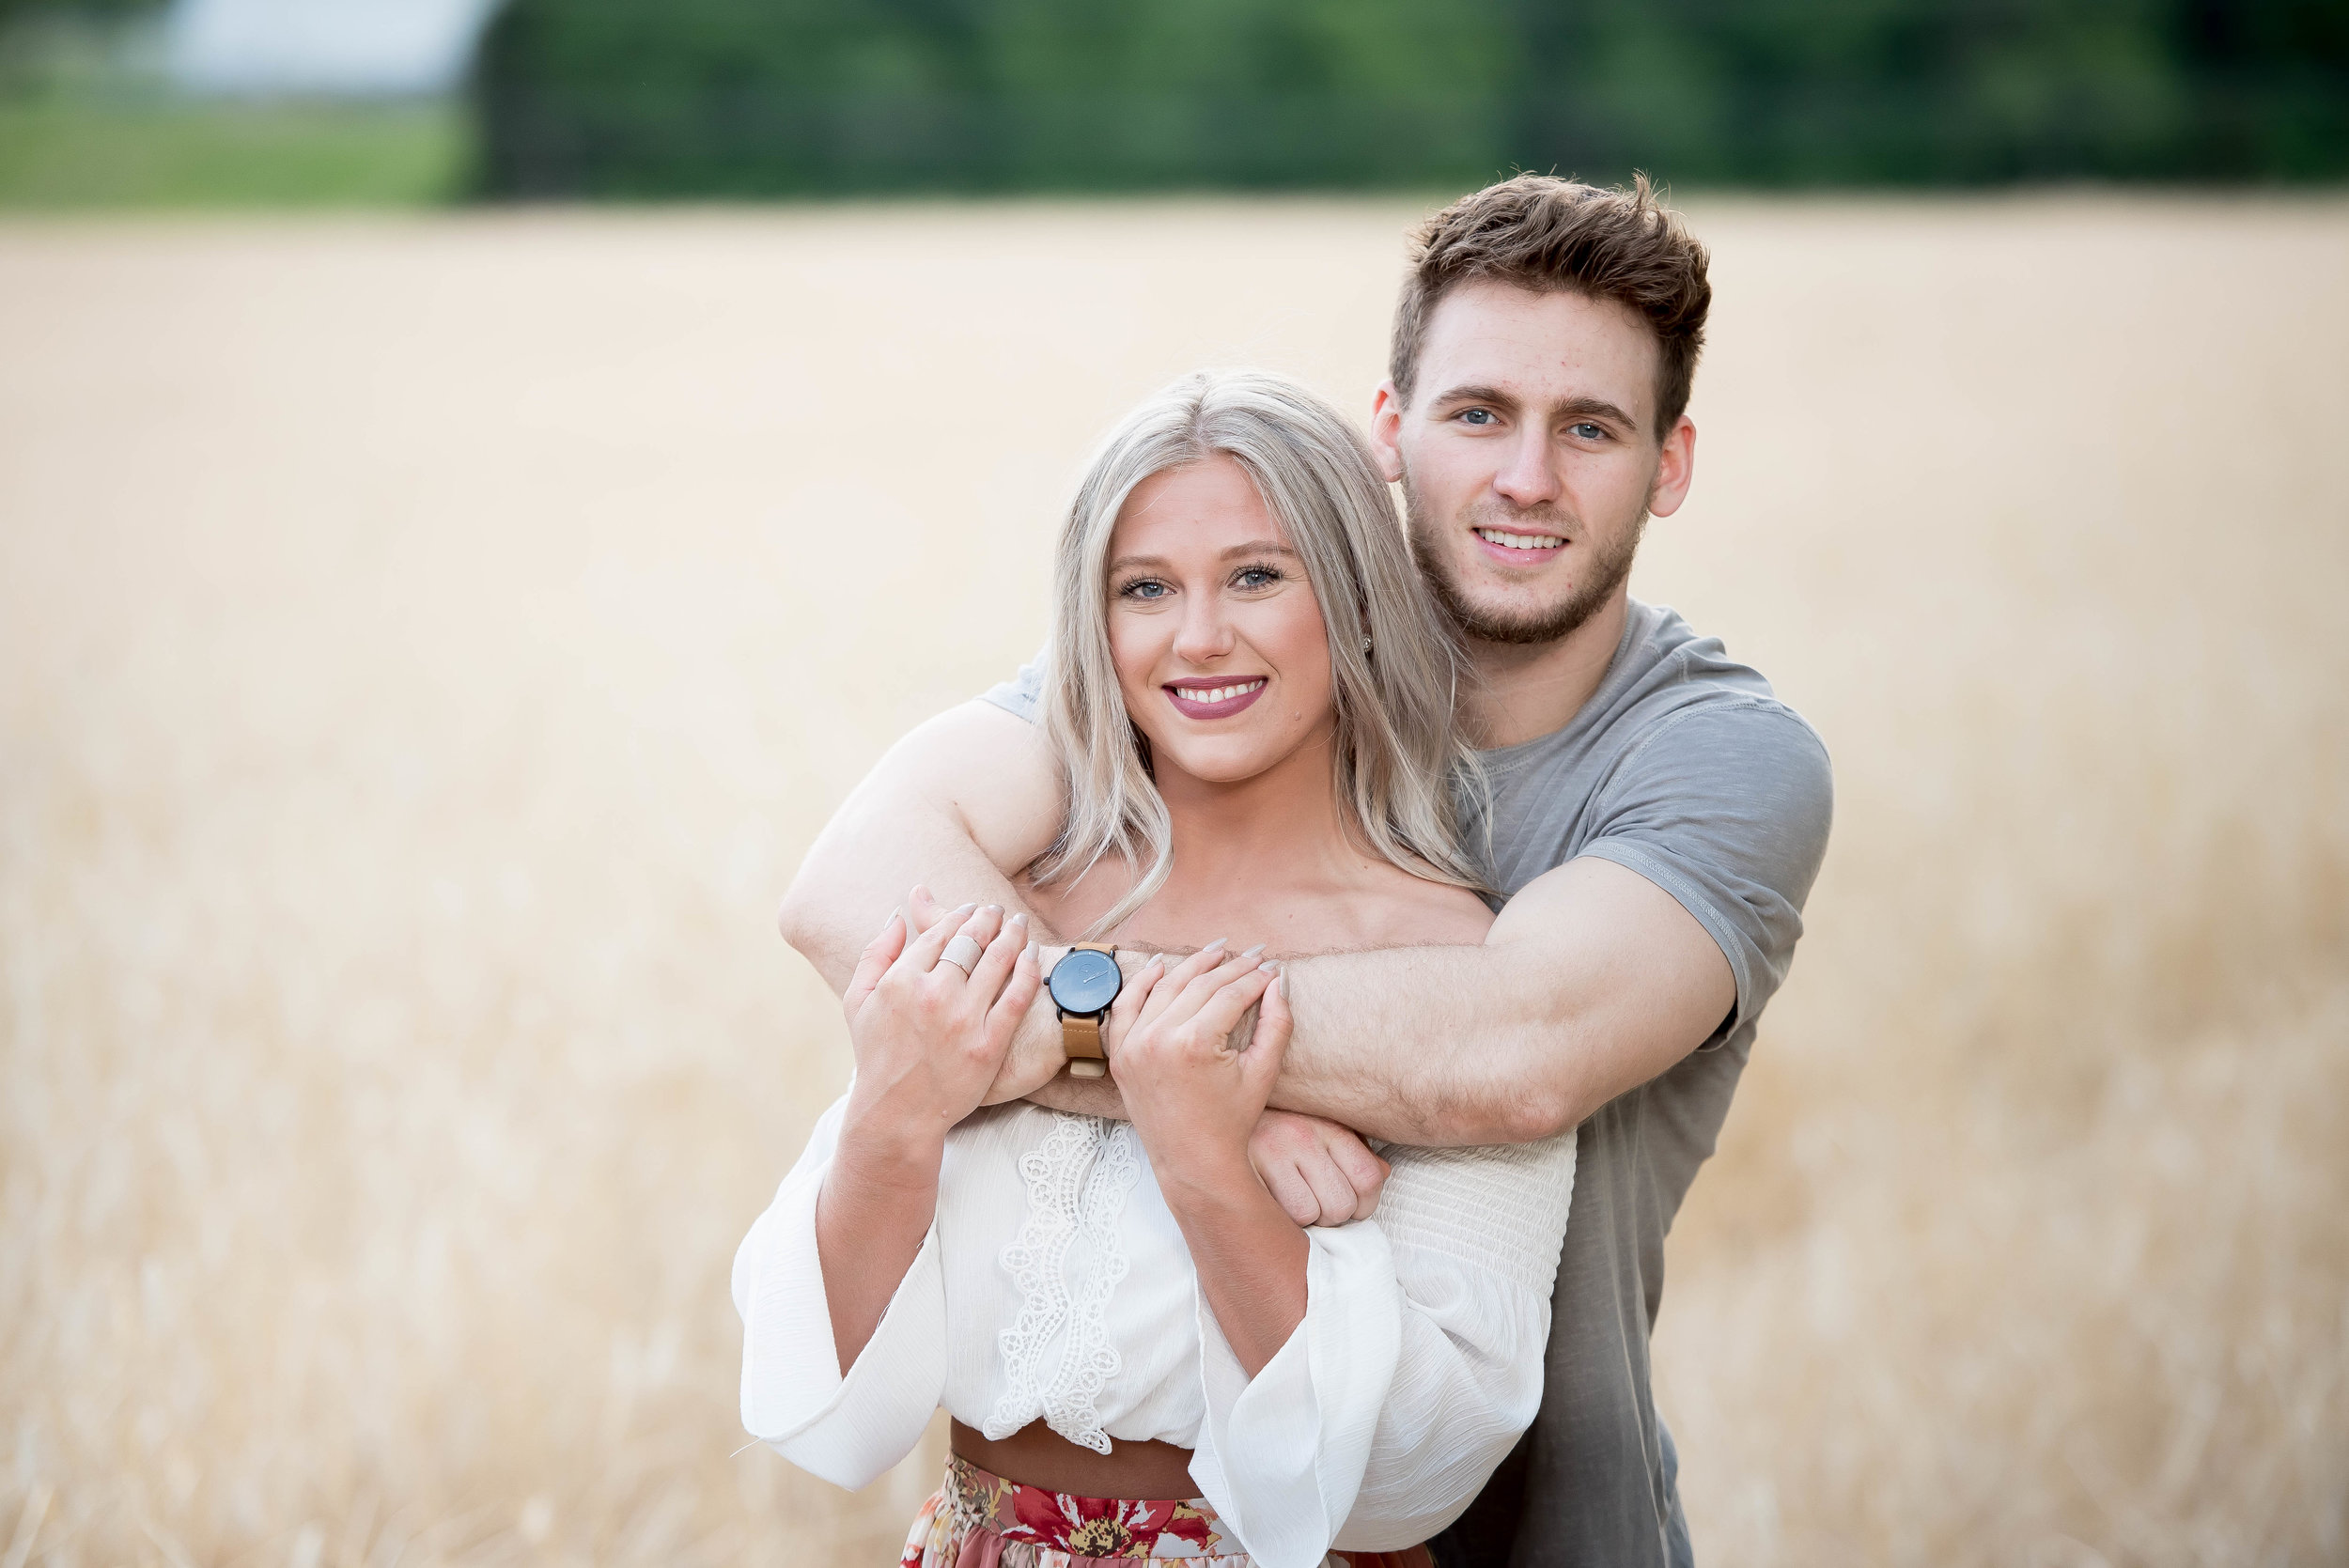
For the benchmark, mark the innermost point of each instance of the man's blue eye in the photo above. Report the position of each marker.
(1589, 431)
(1478, 416)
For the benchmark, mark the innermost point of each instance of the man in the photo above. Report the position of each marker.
(1656, 819)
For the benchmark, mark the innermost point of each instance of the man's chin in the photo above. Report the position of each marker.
(1513, 621)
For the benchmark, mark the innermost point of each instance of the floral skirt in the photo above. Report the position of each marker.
(977, 1520)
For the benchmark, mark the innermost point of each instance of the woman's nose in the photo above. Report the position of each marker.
(1206, 635)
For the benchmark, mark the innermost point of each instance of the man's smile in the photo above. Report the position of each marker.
(1518, 550)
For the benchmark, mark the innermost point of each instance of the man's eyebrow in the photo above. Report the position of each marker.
(1574, 407)
(1475, 394)
(1585, 408)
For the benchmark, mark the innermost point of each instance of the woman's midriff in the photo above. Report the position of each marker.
(1040, 1456)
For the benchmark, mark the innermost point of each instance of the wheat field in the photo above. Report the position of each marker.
(427, 644)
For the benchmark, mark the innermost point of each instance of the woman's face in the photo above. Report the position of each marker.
(1219, 644)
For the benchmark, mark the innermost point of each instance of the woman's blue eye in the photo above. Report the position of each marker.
(1257, 577)
(1145, 589)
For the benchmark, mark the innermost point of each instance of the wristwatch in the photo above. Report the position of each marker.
(1084, 984)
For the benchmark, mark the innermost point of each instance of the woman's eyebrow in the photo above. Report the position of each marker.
(1253, 547)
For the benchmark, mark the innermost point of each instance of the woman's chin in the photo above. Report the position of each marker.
(1214, 763)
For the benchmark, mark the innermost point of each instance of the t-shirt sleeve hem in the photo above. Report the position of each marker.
(1646, 860)
(1022, 695)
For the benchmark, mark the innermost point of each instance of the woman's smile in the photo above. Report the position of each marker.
(1217, 699)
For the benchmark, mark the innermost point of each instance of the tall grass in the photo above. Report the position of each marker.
(425, 648)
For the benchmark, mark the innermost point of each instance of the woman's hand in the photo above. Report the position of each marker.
(1194, 1099)
(929, 1037)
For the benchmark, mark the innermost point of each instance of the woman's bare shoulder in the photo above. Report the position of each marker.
(1412, 911)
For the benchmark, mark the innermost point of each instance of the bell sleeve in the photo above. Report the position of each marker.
(1476, 1234)
(1416, 1369)
(846, 1429)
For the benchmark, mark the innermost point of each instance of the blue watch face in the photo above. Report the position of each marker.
(1084, 981)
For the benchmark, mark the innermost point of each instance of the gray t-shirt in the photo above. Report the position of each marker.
(1684, 768)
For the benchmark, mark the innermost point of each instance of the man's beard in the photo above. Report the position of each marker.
(1608, 568)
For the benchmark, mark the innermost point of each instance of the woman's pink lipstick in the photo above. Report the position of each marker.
(1189, 706)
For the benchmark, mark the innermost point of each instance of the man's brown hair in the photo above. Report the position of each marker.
(1548, 234)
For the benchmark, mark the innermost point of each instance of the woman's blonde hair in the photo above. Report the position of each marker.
(1396, 669)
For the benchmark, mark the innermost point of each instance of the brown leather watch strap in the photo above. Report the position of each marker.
(1081, 1037)
(1080, 1033)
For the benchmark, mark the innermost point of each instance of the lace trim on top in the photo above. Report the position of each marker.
(1078, 1179)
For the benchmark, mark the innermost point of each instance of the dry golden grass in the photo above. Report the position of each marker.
(426, 647)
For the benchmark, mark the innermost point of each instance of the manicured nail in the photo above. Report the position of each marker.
(1033, 953)
(1252, 953)
(1220, 942)
(1282, 984)
(1019, 919)
(1269, 969)
(991, 909)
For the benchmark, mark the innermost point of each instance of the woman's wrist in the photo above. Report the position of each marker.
(1206, 1178)
(890, 1150)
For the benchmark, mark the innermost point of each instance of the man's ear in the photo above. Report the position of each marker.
(1675, 469)
(1386, 430)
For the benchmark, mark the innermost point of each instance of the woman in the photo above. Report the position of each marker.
(1251, 698)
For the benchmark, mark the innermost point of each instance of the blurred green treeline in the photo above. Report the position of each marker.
(745, 98)
(89, 120)
(742, 98)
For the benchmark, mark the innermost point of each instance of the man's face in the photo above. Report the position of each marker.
(1529, 458)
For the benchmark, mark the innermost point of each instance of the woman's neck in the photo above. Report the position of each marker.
(1284, 826)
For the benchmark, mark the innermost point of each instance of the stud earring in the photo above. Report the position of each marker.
(1365, 645)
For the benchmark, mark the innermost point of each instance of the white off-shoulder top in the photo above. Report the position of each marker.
(1054, 1285)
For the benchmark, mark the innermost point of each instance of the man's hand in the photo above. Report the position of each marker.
(1320, 1172)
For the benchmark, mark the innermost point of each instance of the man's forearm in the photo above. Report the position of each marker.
(1427, 1045)
(1592, 982)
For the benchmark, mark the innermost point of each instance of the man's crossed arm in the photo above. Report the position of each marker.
(1592, 982)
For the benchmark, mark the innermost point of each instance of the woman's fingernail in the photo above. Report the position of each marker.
(1220, 942)
(1252, 952)
(1269, 969)
(991, 909)
(1033, 953)
(1019, 919)
(1282, 984)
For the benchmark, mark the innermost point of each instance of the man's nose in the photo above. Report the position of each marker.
(1529, 476)
(1206, 635)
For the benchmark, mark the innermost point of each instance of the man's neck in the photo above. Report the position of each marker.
(1536, 688)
